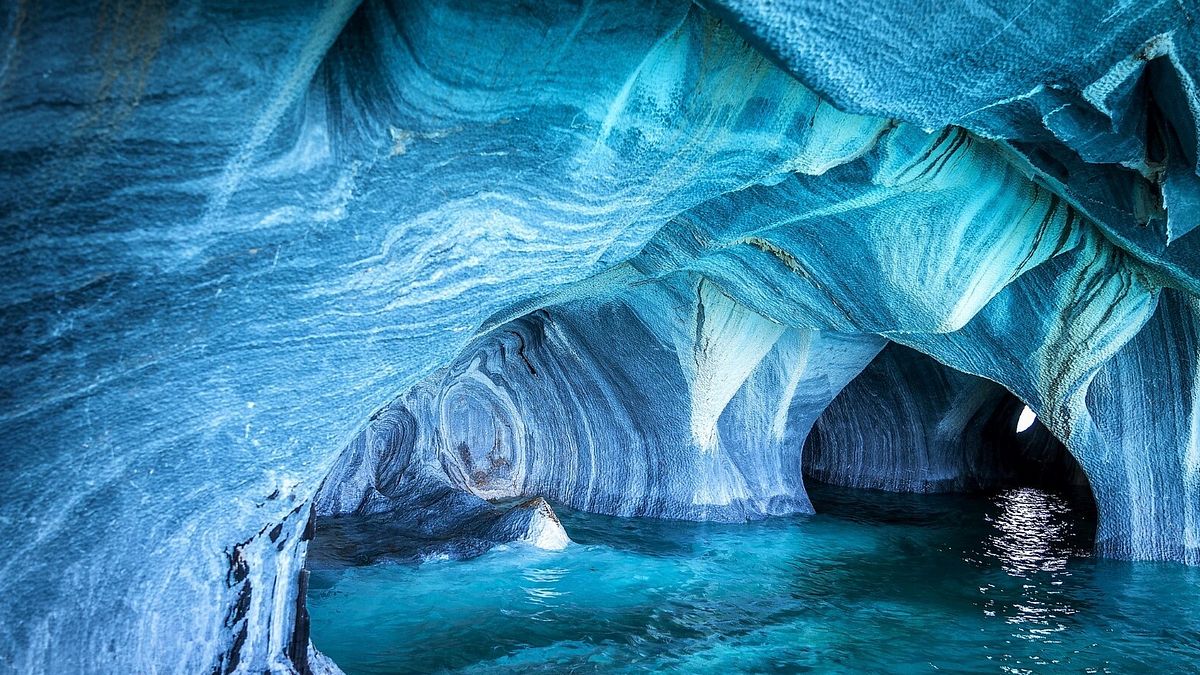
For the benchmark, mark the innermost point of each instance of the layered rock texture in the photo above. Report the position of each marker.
(618, 254)
(661, 399)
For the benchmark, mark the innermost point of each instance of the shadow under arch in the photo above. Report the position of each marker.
(909, 424)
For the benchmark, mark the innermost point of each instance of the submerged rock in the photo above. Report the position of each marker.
(431, 522)
(532, 522)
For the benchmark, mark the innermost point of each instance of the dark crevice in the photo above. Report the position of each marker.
(887, 431)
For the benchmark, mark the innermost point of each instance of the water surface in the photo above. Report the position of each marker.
(877, 582)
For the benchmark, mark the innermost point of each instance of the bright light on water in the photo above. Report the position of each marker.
(882, 583)
(1026, 419)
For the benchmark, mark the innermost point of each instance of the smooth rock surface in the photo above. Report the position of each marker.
(232, 233)
(665, 399)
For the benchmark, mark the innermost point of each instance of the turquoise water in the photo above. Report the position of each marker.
(878, 582)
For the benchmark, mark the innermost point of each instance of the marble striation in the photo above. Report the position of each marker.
(662, 399)
(233, 233)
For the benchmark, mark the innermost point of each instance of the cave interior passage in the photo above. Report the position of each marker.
(910, 425)
(476, 455)
(915, 471)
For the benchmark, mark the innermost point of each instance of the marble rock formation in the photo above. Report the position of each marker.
(233, 233)
(661, 399)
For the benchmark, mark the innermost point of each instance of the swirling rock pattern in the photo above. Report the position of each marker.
(826, 252)
(666, 399)
(1099, 99)
(231, 233)
(1142, 406)
(214, 224)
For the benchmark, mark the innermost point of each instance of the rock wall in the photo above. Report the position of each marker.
(231, 233)
(665, 399)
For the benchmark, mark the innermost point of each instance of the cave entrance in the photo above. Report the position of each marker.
(933, 440)
(539, 412)
(531, 525)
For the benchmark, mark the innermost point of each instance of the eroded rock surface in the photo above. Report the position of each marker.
(233, 233)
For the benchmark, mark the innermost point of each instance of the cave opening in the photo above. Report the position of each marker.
(910, 435)
(910, 424)
(489, 499)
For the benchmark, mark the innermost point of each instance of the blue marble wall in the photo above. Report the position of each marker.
(663, 399)
(232, 233)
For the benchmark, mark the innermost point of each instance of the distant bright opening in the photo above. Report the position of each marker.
(1026, 420)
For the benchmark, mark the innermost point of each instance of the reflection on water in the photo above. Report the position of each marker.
(879, 582)
(1032, 532)
(1031, 538)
